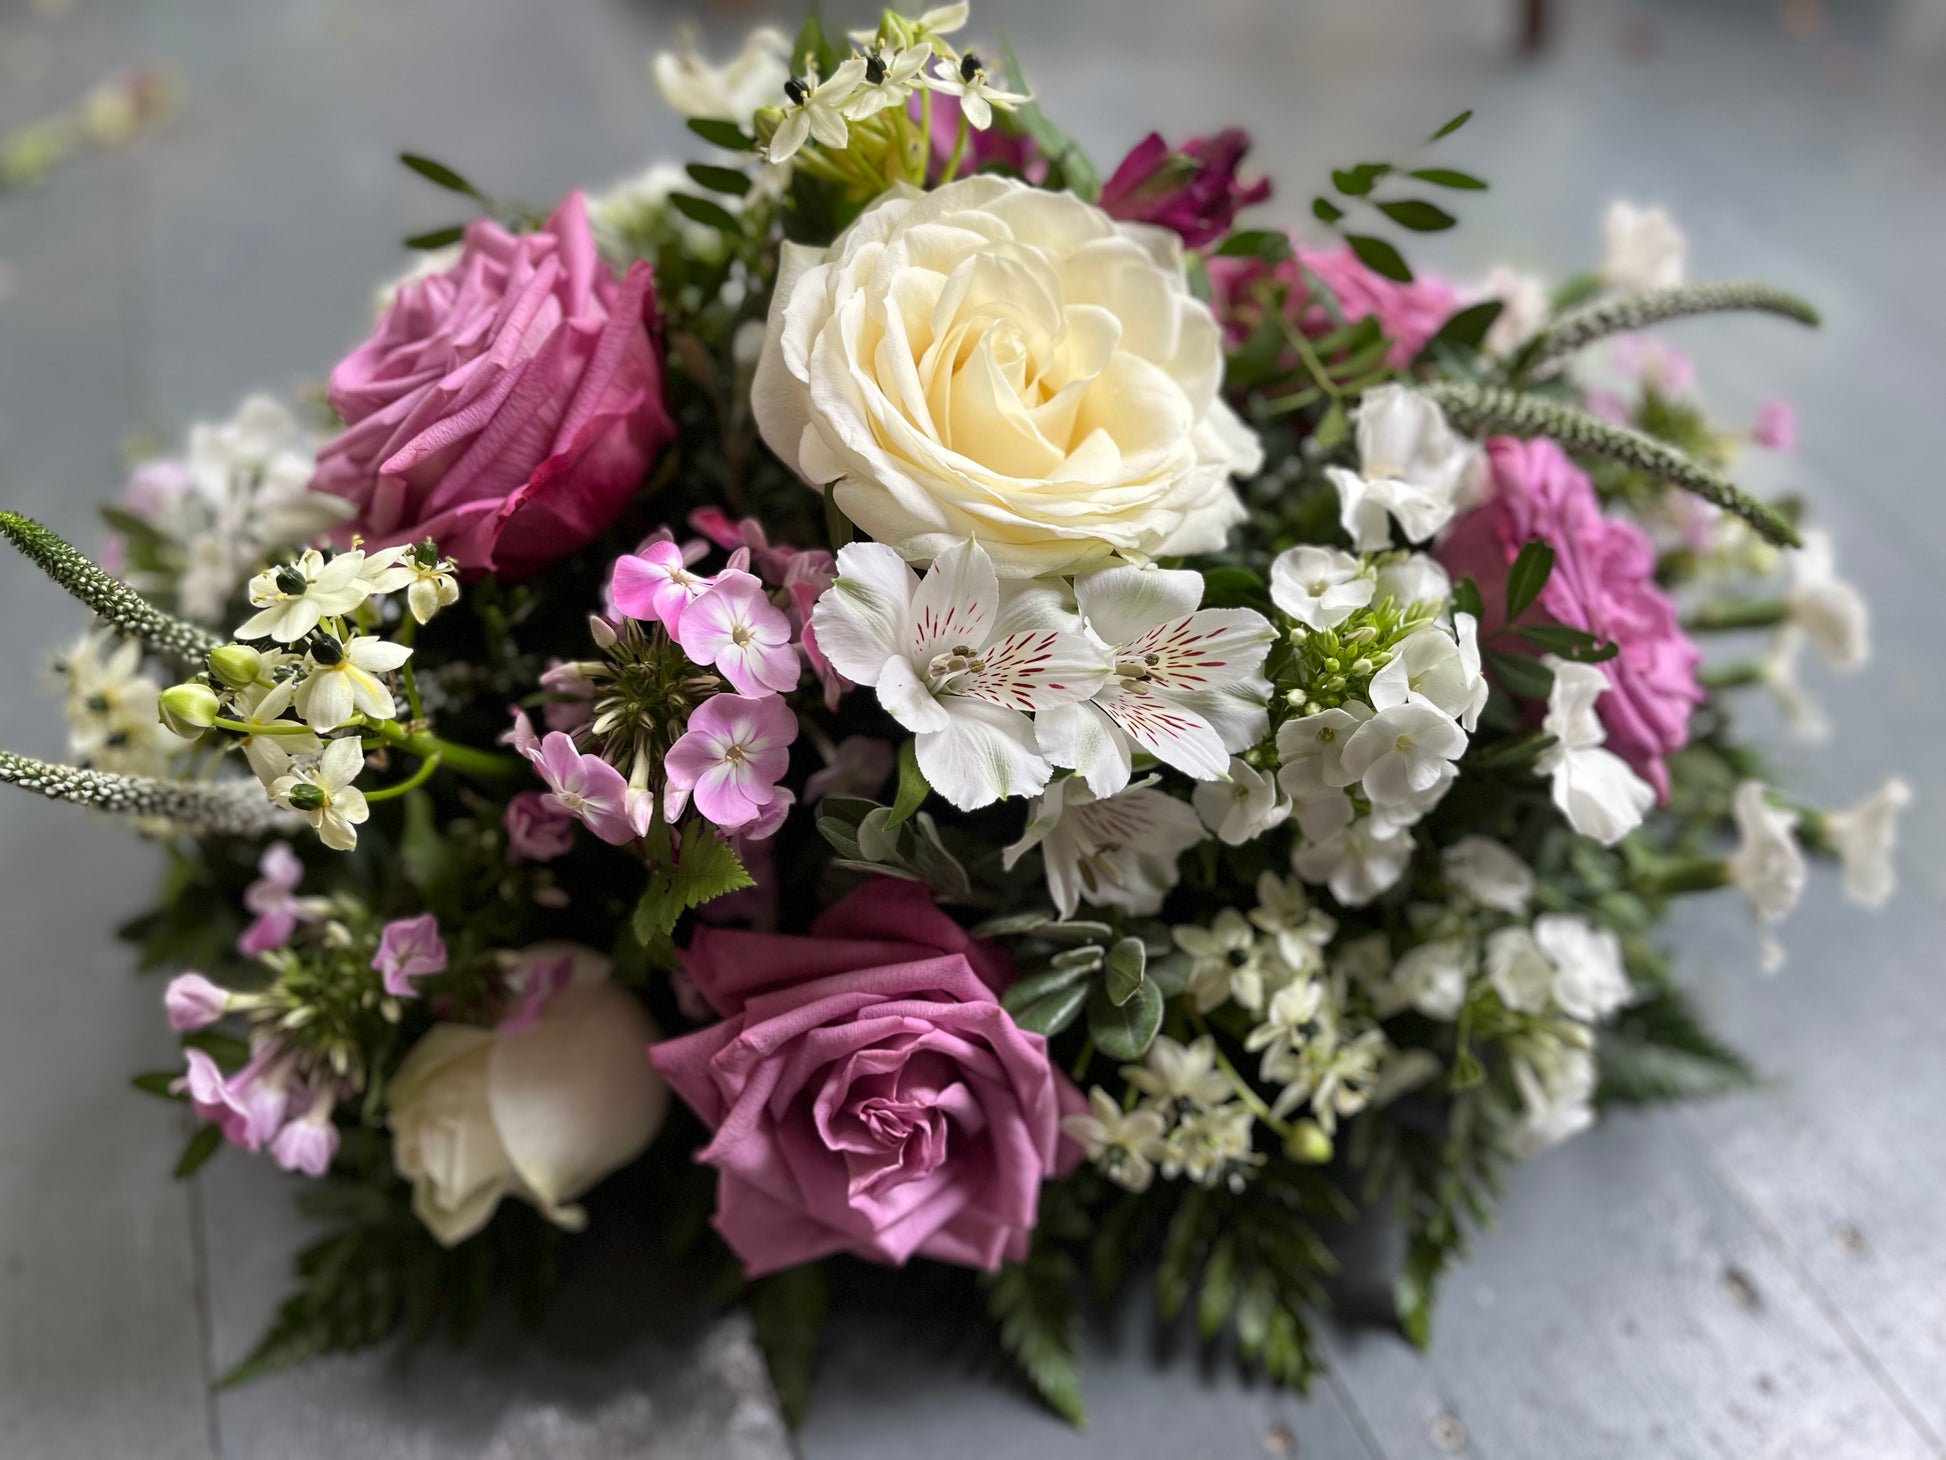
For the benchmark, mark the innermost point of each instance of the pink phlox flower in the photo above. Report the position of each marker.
(810, 573)
(532, 982)
(538, 827)
(193, 1002)
(308, 1143)
(249, 1106)
(655, 585)
(587, 786)
(736, 629)
(520, 735)
(1775, 428)
(572, 706)
(273, 898)
(409, 948)
(731, 757)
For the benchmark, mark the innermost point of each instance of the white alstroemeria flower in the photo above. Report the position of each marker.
(1415, 578)
(1864, 837)
(1489, 873)
(1524, 308)
(1829, 608)
(955, 664)
(731, 92)
(1365, 859)
(1443, 667)
(1242, 808)
(1185, 1073)
(269, 750)
(293, 597)
(817, 110)
(1768, 865)
(1226, 962)
(322, 792)
(1518, 971)
(1320, 587)
(1555, 1074)
(1778, 672)
(1125, 1144)
(1117, 852)
(1590, 980)
(1302, 931)
(1181, 682)
(1411, 468)
(978, 96)
(888, 82)
(1432, 978)
(1595, 789)
(1646, 250)
(336, 688)
(1404, 752)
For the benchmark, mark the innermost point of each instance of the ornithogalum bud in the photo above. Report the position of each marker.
(236, 665)
(1307, 1144)
(190, 708)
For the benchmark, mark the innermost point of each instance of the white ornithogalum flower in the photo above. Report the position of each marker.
(292, 598)
(817, 110)
(1284, 910)
(112, 707)
(978, 96)
(1864, 837)
(1181, 682)
(1213, 1147)
(1518, 970)
(1320, 587)
(1334, 1069)
(1432, 978)
(889, 80)
(1184, 1074)
(1365, 859)
(1440, 665)
(1554, 1070)
(1242, 808)
(1412, 467)
(1777, 670)
(1590, 979)
(1226, 961)
(956, 664)
(731, 92)
(341, 680)
(1125, 1144)
(1489, 873)
(1830, 609)
(1645, 248)
(1403, 755)
(1409, 578)
(321, 791)
(266, 703)
(1768, 865)
(1595, 789)
(1524, 308)
(427, 578)
(1117, 852)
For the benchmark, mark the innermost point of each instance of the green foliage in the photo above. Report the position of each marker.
(1033, 1304)
(1658, 1049)
(1453, 126)
(913, 787)
(438, 237)
(1379, 256)
(1418, 215)
(441, 175)
(1124, 1031)
(202, 1145)
(727, 135)
(705, 867)
(787, 1309)
(859, 831)
(719, 179)
(1067, 165)
(1123, 970)
(1528, 576)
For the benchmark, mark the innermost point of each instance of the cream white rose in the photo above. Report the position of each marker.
(542, 1114)
(995, 361)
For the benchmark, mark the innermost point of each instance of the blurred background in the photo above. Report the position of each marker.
(1761, 1276)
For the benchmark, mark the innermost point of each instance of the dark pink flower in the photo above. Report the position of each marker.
(1409, 314)
(507, 408)
(1194, 192)
(655, 585)
(868, 1092)
(409, 948)
(538, 827)
(1603, 582)
(249, 1106)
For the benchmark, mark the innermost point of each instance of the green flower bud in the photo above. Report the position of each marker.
(189, 709)
(236, 665)
(1307, 1144)
(305, 797)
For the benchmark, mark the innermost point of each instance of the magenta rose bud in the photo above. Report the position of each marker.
(1194, 192)
(1603, 583)
(868, 1093)
(507, 408)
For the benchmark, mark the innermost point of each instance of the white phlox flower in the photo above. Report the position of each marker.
(1596, 790)
(1412, 467)
(1489, 873)
(1864, 838)
(1768, 865)
(1320, 587)
(1830, 609)
(1242, 808)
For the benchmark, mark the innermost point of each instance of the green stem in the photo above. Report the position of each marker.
(408, 631)
(925, 136)
(1739, 613)
(481, 764)
(1245, 1091)
(1700, 874)
(1731, 676)
(411, 783)
(272, 727)
(959, 150)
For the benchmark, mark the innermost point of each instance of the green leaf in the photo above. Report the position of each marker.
(1023, 993)
(427, 857)
(1033, 1302)
(1518, 750)
(440, 173)
(1466, 598)
(718, 133)
(838, 530)
(1380, 257)
(719, 179)
(1418, 215)
(1333, 427)
(1126, 962)
(1262, 243)
(1453, 126)
(1528, 577)
(1446, 177)
(229, 1052)
(159, 1082)
(913, 788)
(703, 211)
(1521, 676)
(1355, 182)
(1414, 1289)
(787, 1310)
(1233, 587)
(438, 238)
(1569, 643)
(201, 1147)
(1659, 1050)
(1125, 1031)
(1053, 1012)
(705, 868)
(1468, 328)
(1326, 211)
(1217, 1298)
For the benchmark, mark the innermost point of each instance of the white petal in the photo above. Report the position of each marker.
(906, 698)
(956, 604)
(985, 752)
(1083, 739)
(861, 619)
(1121, 603)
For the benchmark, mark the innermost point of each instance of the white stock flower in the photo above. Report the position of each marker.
(321, 790)
(956, 663)
(1411, 468)
(1242, 808)
(1768, 865)
(1590, 980)
(1489, 873)
(1036, 376)
(1864, 836)
(1182, 682)
(541, 1114)
(292, 598)
(1442, 666)
(1363, 860)
(1125, 1144)
(1320, 587)
(1555, 1074)
(1118, 852)
(1595, 789)
(732, 92)
(1404, 754)
(1646, 250)
(1518, 970)
(1524, 308)
(816, 109)
(1829, 608)
(1432, 978)
(333, 690)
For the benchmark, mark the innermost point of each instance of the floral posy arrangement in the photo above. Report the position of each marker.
(1066, 734)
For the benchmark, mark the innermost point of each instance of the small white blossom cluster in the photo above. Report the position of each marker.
(1188, 1122)
(111, 707)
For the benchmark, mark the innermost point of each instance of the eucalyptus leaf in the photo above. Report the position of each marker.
(1124, 970)
(1054, 1011)
(1124, 1031)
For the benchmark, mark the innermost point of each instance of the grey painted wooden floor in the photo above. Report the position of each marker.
(1761, 1277)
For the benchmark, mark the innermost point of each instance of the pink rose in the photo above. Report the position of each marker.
(1603, 582)
(507, 408)
(868, 1093)
(1409, 314)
